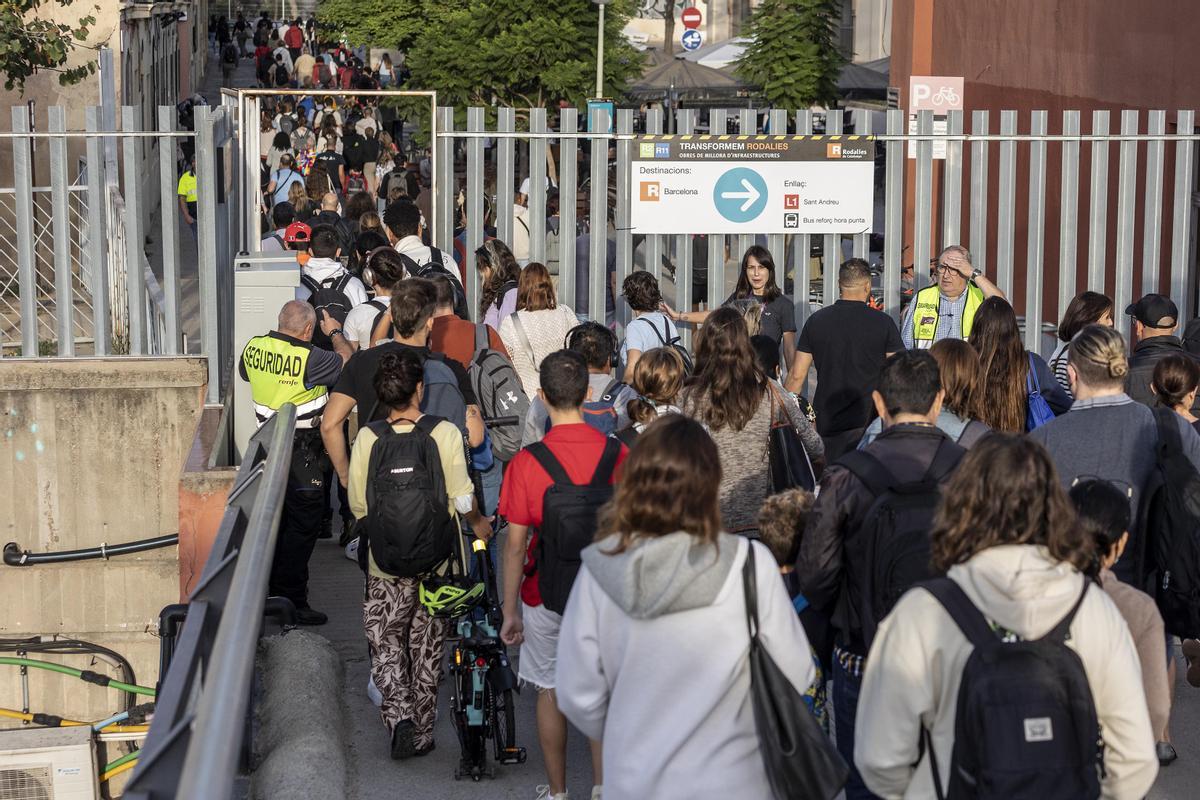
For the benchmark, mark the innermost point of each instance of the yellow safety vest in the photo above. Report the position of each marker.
(275, 366)
(927, 306)
(187, 187)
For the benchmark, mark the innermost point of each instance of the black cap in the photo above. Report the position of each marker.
(1152, 308)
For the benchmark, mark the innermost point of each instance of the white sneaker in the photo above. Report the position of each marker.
(544, 793)
(373, 693)
(597, 791)
(352, 550)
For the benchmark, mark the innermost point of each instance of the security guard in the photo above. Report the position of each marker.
(284, 367)
(187, 194)
(946, 310)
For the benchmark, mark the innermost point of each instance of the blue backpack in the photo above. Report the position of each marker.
(601, 414)
(1037, 410)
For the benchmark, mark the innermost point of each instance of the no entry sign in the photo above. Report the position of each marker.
(691, 17)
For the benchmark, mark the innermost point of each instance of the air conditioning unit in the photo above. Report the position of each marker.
(48, 764)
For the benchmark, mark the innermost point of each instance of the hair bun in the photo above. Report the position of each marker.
(1118, 367)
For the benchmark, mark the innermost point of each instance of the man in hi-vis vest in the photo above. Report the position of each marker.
(284, 367)
(946, 309)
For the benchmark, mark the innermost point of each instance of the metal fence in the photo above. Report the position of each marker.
(197, 738)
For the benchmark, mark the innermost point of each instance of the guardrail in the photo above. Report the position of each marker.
(197, 737)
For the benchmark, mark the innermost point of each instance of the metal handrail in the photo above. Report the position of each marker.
(197, 736)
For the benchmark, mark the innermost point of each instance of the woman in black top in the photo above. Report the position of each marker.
(1175, 381)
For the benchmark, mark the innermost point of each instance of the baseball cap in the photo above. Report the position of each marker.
(525, 186)
(297, 232)
(1152, 308)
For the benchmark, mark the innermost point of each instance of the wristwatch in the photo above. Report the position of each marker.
(335, 332)
(975, 273)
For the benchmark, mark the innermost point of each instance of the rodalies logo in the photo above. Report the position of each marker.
(650, 191)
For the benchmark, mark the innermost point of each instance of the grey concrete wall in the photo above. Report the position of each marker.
(91, 453)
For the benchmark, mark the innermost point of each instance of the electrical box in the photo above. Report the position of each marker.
(262, 283)
(48, 764)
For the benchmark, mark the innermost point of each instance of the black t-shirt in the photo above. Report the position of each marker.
(849, 342)
(778, 316)
(358, 378)
(330, 160)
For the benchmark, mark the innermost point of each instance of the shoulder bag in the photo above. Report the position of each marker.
(789, 462)
(800, 759)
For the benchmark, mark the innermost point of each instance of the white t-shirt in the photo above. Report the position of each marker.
(641, 336)
(361, 319)
(412, 247)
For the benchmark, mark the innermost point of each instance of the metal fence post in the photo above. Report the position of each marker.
(474, 199)
(652, 249)
(26, 271)
(135, 279)
(1006, 204)
(717, 122)
(979, 191)
(505, 164)
(1037, 233)
(538, 187)
(1126, 208)
(893, 214)
(64, 284)
(862, 241)
(1181, 215)
(170, 229)
(685, 124)
(624, 235)
(923, 202)
(831, 251)
(97, 240)
(802, 245)
(1098, 204)
(748, 126)
(568, 199)
(598, 218)
(442, 234)
(952, 171)
(1156, 123)
(1068, 222)
(206, 248)
(777, 242)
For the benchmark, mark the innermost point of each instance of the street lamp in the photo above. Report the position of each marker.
(600, 49)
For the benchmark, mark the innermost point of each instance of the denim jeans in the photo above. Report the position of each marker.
(845, 705)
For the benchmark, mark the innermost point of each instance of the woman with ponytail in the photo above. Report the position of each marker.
(1106, 434)
(657, 377)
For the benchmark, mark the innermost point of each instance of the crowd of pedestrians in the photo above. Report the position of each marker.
(953, 561)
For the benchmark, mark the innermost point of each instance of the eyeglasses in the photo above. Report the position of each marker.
(944, 269)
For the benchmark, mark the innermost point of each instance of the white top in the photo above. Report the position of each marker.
(520, 237)
(412, 247)
(670, 695)
(320, 269)
(914, 670)
(546, 330)
(641, 336)
(360, 320)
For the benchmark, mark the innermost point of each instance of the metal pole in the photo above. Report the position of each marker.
(600, 52)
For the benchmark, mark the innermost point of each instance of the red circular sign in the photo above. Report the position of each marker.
(691, 17)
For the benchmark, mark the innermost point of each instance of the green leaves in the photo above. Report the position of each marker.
(29, 43)
(794, 57)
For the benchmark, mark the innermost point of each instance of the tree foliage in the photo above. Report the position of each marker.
(794, 57)
(29, 43)
(530, 53)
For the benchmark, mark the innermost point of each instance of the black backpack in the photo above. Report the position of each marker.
(437, 266)
(409, 527)
(1025, 723)
(568, 521)
(500, 394)
(230, 54)
(895, 529)
(383, 309)
(664, 336)
(282, 77)
(1171, 531)
(328, 295)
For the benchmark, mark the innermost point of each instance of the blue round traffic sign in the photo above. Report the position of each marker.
(691, 39)
(740, 195)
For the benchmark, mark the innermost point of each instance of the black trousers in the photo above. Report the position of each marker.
(331, 481)
(838, 444)
(303, 505)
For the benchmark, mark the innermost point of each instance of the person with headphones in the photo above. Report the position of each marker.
(383, 268)
(607, 398)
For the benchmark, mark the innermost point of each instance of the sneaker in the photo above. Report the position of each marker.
(326, 529)
(310, 616)
(544, 793)
(402, 740)
(373, 693)
(1165, 752)
(1191, 651)
(597, 792)
(352, 550)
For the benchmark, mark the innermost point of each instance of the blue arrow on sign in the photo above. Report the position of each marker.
(691, 39)
(740, 195)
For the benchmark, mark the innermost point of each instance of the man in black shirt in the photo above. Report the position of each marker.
(412, 306)
(848, 343)
(334, 164)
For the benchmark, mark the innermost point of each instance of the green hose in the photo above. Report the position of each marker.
(125, 759)
(84, 675)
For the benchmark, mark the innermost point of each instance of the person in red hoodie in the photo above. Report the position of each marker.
(293, 38)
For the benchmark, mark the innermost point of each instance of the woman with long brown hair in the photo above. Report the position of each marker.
(1085, 308)
(657, 377)
(1006, 536)
(538, 327)
(1005, 368)
(652, 657)
(1176, 379)
(499, 273)
(729, 393)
